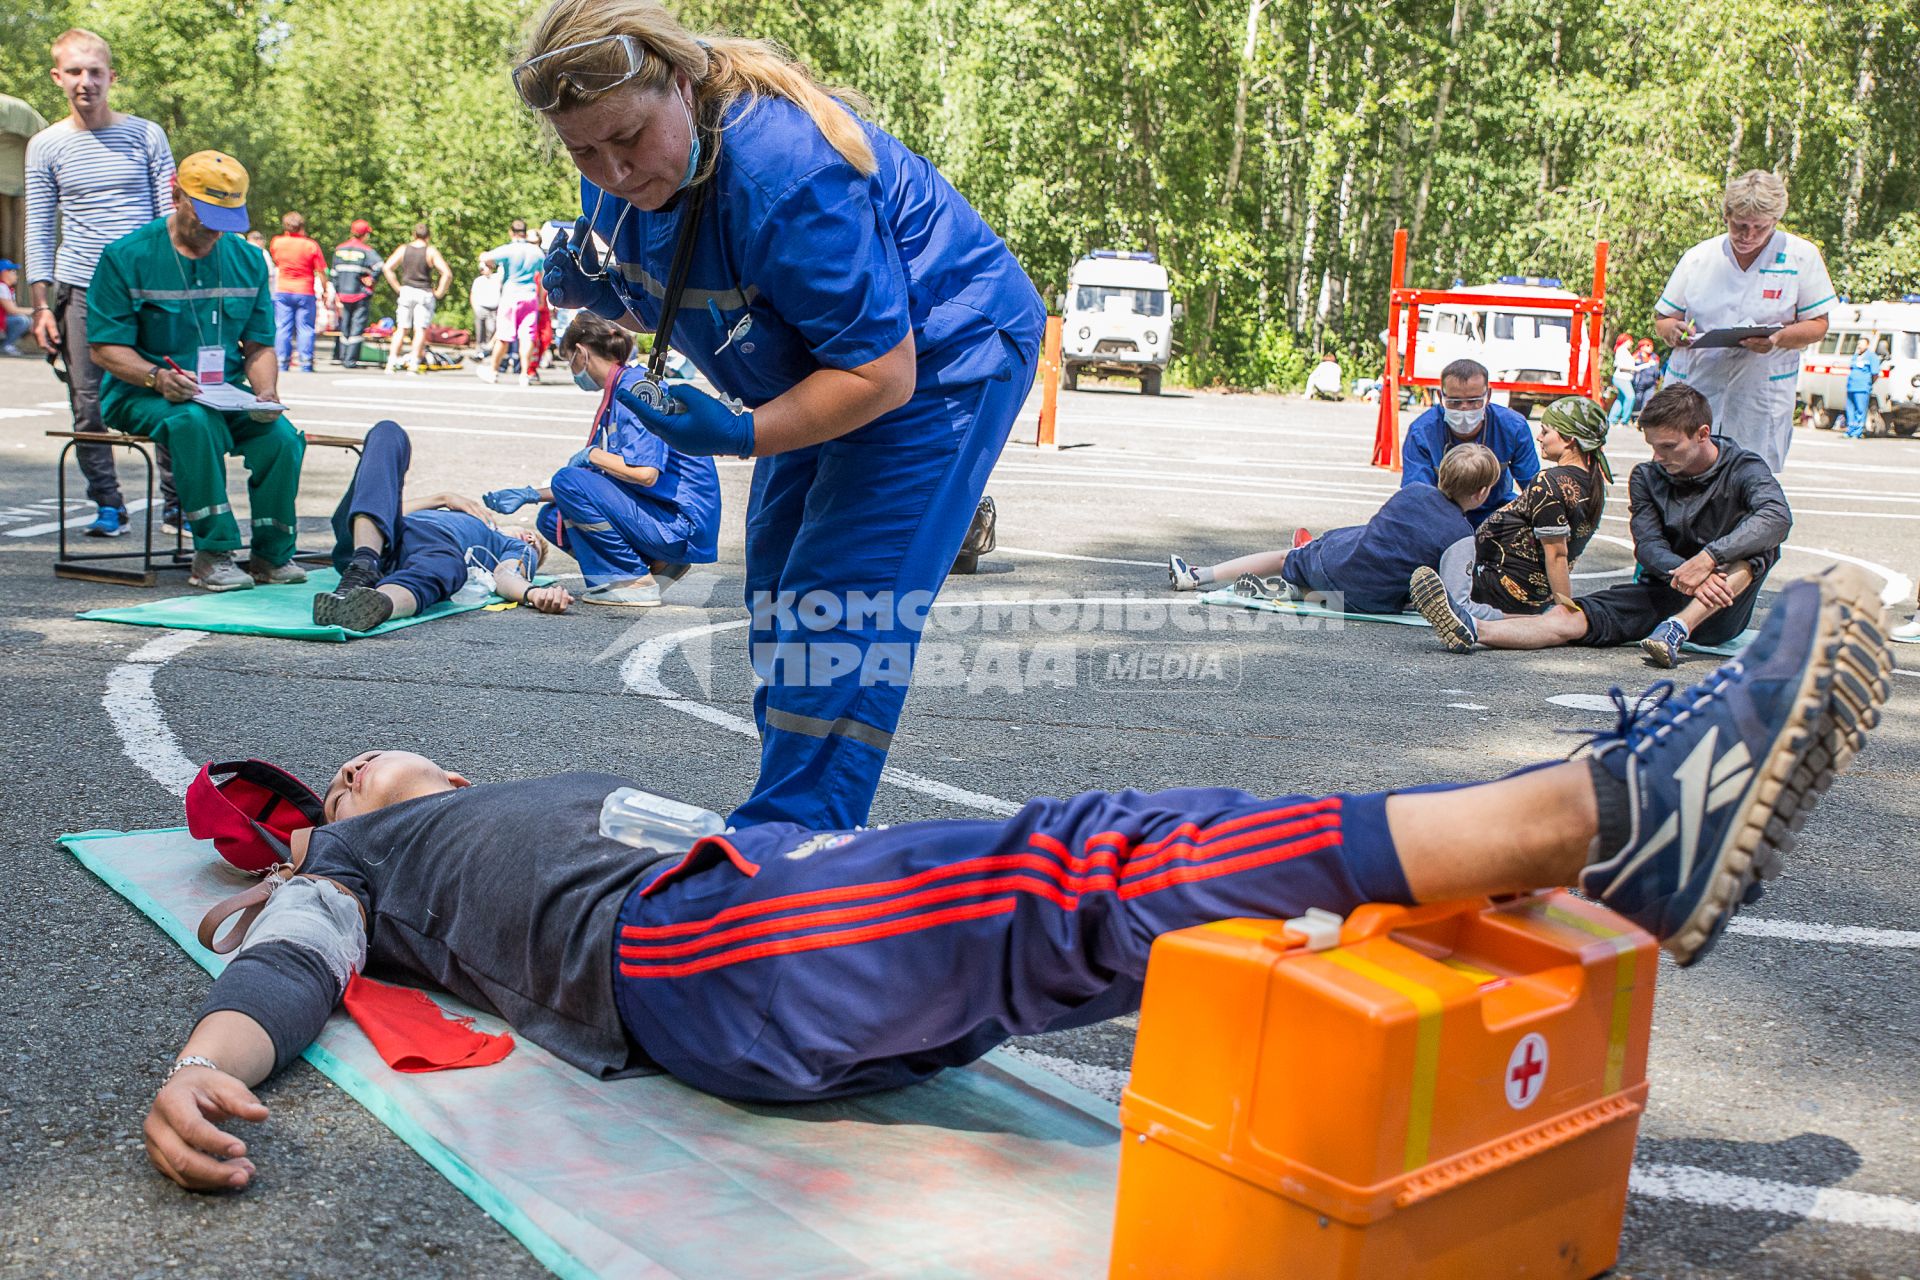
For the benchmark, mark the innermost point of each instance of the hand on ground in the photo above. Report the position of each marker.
(183, 1141)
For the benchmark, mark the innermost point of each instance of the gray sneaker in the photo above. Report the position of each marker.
(275, 575)
(216, 571)
(642, 595)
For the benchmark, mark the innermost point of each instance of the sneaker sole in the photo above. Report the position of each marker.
(1841, 693)
(1430, 598)
(204, 585)
(1659, 655)
(618, 604)
(359, 610)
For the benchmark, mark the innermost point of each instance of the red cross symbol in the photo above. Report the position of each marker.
(1526, 1070)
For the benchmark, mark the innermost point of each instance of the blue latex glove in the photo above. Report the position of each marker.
(582, 458)
(567, 286)
(508, 501)
(693, 422)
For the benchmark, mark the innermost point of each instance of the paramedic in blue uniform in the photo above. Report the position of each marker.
(627, 506)
(1861, 375)
(879, 337)
(1467, 414)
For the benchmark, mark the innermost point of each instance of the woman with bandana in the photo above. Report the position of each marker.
(871, 338)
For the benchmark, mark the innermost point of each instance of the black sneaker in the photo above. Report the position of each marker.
(360, 572)
(1719, 777)
(361, 609)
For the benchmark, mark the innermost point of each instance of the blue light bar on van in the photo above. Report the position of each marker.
(1129, 255)
(1910, 297)
(1544, 282)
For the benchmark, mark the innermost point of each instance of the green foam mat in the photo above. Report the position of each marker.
(285, 612)
(1301, 608)
(995, 1170)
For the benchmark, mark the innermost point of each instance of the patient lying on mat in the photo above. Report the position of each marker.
(779, 964)
(399, 555)
(1365, 568)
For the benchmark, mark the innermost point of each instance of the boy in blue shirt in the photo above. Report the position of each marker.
(399, 555)
(1368, 566)
(1467, 415)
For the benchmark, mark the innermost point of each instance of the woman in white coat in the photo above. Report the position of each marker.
(1754, 276)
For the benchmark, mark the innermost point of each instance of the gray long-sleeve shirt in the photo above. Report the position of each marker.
(87, 188)
(1735, 509)
(505, 894)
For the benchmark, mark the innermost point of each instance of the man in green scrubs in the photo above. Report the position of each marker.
(177, 308)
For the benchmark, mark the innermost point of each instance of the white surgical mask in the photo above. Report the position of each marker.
(1464, 422)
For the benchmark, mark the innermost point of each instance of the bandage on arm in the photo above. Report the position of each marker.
(292, 969)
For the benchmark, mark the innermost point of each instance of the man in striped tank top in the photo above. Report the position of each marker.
(91, 178)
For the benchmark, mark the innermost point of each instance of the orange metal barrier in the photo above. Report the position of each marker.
(1447, 1091)
(1403, 335)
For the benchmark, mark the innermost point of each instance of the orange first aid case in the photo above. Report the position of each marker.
(1450, 1090)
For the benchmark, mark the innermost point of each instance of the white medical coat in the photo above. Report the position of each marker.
(1751, 394)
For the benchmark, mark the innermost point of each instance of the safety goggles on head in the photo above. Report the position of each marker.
(617, 59)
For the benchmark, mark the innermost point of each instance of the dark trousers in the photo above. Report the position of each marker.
(353, 323)
(420, 555)
(777, 964)
(83, 395)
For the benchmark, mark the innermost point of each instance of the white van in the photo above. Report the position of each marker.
(1515, 343)
(1894, 328)
(1119, 319)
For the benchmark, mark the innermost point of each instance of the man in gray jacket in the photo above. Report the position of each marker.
(1708, 520)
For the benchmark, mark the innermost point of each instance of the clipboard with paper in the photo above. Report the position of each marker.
(1732, 337)
(228, 398)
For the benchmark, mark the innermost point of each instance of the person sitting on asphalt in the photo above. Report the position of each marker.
(176, 307)
(1708, 520)
(16, 316)
(730, 971)
(1324, 382)
(1365, 568)
(398, 555)
(1521, 559)
(628, 506)
(1466, 414)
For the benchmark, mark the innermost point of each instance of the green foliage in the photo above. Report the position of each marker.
(1508, 136)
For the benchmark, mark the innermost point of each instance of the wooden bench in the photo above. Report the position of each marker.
(112, 566)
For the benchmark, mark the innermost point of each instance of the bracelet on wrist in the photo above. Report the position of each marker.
(191, 1060)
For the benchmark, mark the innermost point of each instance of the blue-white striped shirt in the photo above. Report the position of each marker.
(97, 185)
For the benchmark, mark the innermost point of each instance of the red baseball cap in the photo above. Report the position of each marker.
(361, 226)
(252, 813)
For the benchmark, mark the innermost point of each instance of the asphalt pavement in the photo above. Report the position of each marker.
(1778, 1141)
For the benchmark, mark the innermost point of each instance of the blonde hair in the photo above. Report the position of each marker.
(1756, 194)
(723, 70)
(81, 36)
(1466, 470)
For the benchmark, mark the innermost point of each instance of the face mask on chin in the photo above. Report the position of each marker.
(1464, 422)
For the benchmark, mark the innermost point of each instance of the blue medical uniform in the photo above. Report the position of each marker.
(778, 964)
(1860, 377)
(1502, 430)
(426, 552)
(617, 529)
(847, 541)
(1370, 564)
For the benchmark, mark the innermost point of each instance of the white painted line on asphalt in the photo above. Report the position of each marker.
(1062, 555)
(53, 526)
(573, 437)
(27, 413)
(136, 715)
(640, 672)
(1754, 1195)
(1846, 935)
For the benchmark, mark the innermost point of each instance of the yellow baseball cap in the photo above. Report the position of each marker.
(217, 185)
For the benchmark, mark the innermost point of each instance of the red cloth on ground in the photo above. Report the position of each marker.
(295, 259)
(413, 1034)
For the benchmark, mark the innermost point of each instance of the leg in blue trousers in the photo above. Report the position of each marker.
(780, 965)
(424, 559)
(613, 534)
(283, 326)
(848, 542)
(306, 309)
(1857, 404)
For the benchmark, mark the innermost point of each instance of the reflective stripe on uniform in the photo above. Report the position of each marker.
(844, 727)
(193, 295)
(725, 299)
(217, 509)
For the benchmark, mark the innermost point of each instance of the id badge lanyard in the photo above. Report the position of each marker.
(210, 361)
(652, 386)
